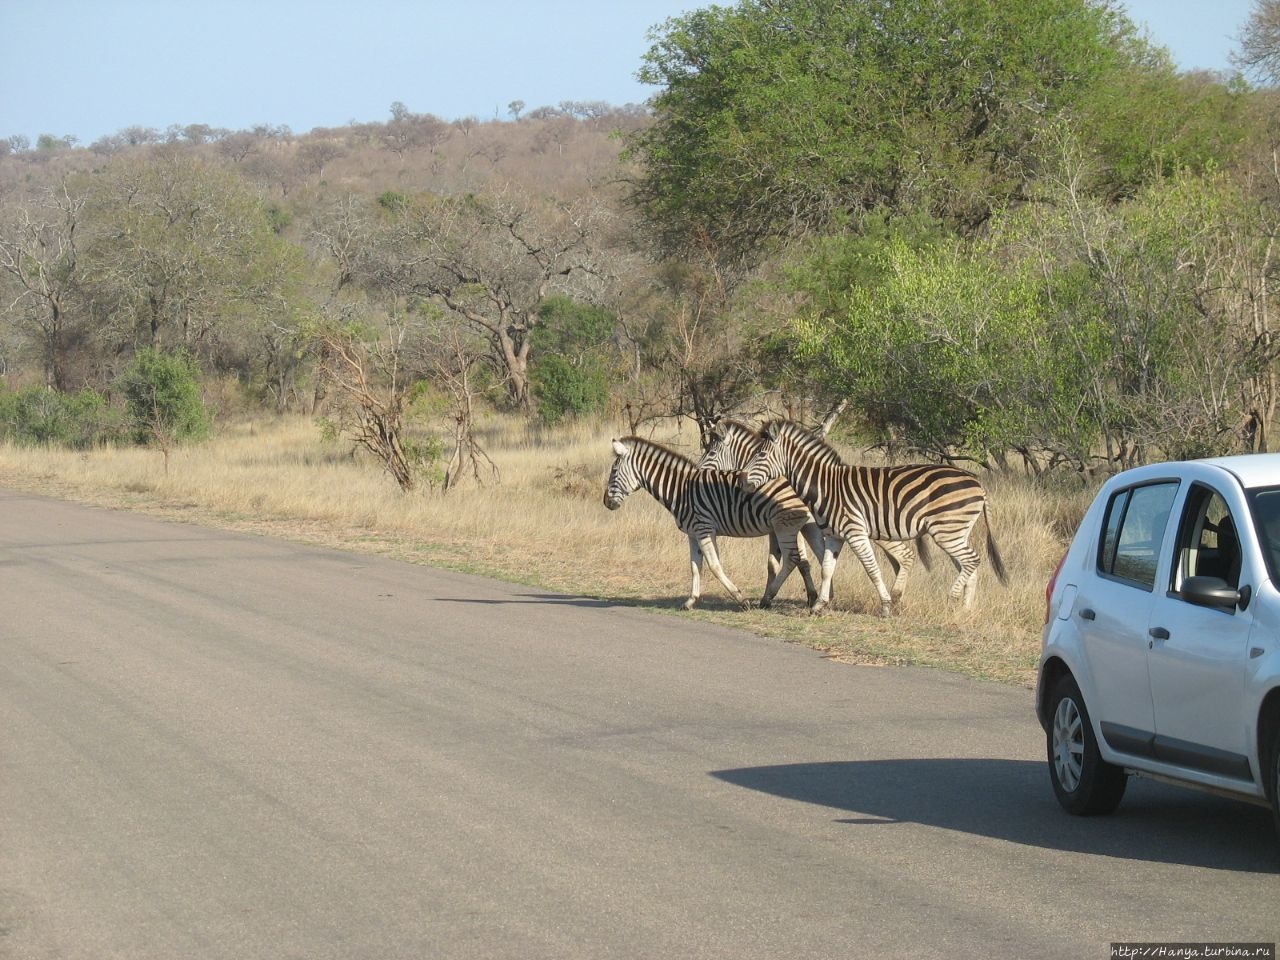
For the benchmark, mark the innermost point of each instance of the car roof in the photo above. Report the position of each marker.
(1251, 469)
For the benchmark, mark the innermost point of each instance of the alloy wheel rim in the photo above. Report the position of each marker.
(1068, 744)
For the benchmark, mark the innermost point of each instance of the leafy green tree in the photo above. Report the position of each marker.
(1144, 121)
(1078, 332)
(933, 355)
(182, 247)
(776, 117)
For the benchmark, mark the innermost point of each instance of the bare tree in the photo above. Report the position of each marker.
(238, 145)
(409, 131)
(1259, 53)
(366, 366)
(315, 155)
(453, 354)
(492, 262)
(39, 255)
(692, 352)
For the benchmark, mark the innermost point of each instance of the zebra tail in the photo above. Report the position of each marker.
(996, 563)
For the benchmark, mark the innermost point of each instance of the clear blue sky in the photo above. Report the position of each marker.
(87, 68)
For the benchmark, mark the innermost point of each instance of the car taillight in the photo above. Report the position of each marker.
(1048, 591)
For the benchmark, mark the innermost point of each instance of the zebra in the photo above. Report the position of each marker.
(881, 503)
(711, 503)
(732, 446)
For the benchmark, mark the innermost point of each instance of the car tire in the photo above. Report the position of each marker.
(1084, 783)
(1275, 781)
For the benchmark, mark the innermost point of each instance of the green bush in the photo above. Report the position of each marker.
(162, 397)
(565, 389)
(41, 416)
(568, 373)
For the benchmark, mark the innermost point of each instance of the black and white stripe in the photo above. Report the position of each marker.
(734, 444)
(710, 503)
(862, 504)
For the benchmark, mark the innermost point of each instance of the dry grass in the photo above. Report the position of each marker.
(280, 478)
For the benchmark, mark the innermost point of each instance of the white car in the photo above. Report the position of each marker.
(1161, 650)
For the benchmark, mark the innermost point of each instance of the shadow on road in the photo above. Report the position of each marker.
(1012, 800)
(637, 603)
(559, 599)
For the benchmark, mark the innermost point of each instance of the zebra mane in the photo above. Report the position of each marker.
(809, 443)
(726, 428)
(657, 449)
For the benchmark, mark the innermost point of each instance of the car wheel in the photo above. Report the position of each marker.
(1275, 781)
(1083, 782)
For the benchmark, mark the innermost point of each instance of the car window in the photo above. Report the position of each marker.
(1208, 544)
(1266, 511)
(1134, 532)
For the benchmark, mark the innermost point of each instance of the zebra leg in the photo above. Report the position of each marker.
(775, 558)
(830, 552)
(695, 564)
(816, 544)
(774, 584)
(862, 548)
(966, 560)
(966, 584)
(708, 545)
(794, 555)
(826, 546)
(902, 558)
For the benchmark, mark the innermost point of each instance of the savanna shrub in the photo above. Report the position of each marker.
(564, 389)
(568, 374)
(41, 416)
(162, 397)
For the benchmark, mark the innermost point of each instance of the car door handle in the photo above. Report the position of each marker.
(1158, 633)
(1088, 614)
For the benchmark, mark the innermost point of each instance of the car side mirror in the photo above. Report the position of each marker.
(1214, 592)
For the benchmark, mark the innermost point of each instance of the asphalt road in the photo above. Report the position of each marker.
(221, 746)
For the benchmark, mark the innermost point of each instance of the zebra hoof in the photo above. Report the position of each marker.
(817, 608)
(765, 603)
(688, 604)
(886, 610)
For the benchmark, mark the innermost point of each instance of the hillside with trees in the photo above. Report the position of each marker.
(1013, 235)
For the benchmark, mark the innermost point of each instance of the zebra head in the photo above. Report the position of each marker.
(732, 445)
(624, 480)
(766, 463)
(718, 455)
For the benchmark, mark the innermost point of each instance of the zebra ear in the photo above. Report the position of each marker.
(619, 448)
(770, 431)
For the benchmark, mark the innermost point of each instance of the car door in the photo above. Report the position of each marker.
(1197, 654)
(1113, 611)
